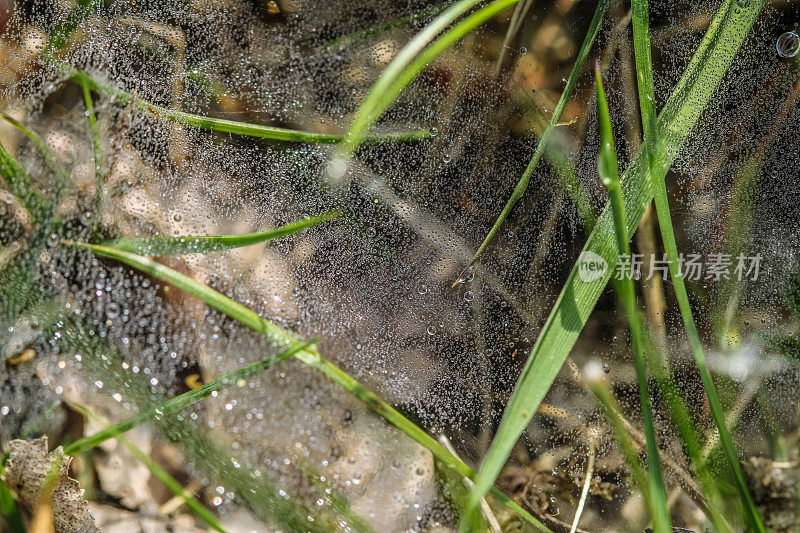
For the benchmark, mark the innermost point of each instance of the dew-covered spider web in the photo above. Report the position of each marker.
(287, 448)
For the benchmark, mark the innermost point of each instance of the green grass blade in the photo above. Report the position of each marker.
(19, 183)
(98, 155)
(613, 414)
(644, 76)
(163, 476)
(231, 126)
(47, 154)
(176, 488)
(260, 493)
(522, 184)
(180, 402)
(60, 37)
(9, 510)
(308, 355)
(609, 172)
(577, 299)
(408, 64)
(201, 244)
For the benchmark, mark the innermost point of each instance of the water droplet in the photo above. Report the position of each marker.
(523, 50)
(337, 168)
(431, 330)
(112, 310)
(177, 217)
(468, 276)
(422, 289)
(469, 296)
(788, 44)
(434, 132)
(446, 159)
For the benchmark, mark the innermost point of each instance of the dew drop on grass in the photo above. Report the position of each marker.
(788, 44)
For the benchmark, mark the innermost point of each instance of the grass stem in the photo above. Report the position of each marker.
(609, 172)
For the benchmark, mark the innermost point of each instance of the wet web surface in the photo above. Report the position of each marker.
(375, 285)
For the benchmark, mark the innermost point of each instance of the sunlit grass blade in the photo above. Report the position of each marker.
(47, 154)
(19, 184)
(308, 355)
(98, 154)
(644, 76)
(180, 402)
(522, 184)
(163, 476)
(407, 65)
(609, 172)
(201, 244)
(707, 68)
(259, 492)
(231, 126)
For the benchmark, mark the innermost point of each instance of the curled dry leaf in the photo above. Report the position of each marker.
(27, 472)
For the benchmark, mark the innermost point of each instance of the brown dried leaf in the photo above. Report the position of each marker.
(27, 474)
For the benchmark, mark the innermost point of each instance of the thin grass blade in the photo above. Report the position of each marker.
(98, 155)
(644, 76)
(707, 68)
(609, 173)
(222, 125)
(406, 66)
(522, 184)
(19, 183)
(162, 475)
(342, 41)
(200, 244)
(377, 100)
(308, 355)
(47, 154)
(180, 402)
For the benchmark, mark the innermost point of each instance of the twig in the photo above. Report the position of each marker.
(593, 437)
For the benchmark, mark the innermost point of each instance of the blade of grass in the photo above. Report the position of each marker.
(231, 126)
(708, 66)
(9, 509)
(406, 66)
(19, 183)
(163, 476)
(261, 493)
(609, 173)
(644, 76)
(98, 155)
(54, 167)
(60, 37)
(200, 244)
(180, 402)
(613, 413)
(522, 184)
(307, 355)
